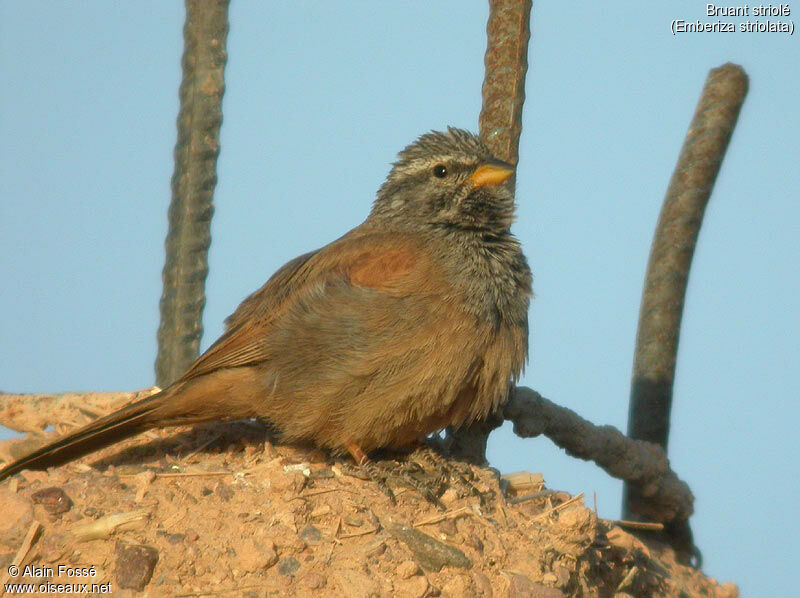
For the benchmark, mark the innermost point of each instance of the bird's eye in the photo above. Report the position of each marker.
(440, 171)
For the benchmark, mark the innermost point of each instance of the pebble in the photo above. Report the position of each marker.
(458, 587)
(310, 534)
(416, 587)
(375, 550)
(134, 567)
(224, 492)
(252, 556)
(315, 581)
(54, 500)
(448, 527)
(355, 584)
(407, 569)
(288, 566)
(430, 553)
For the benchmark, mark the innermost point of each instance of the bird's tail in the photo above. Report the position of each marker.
(229, 393)
(126, 422)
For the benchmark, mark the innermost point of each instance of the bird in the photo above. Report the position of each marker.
(414, 320)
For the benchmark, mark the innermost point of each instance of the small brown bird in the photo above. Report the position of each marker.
(415, 320)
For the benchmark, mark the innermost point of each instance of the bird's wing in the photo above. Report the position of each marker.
(384, 262)
(261, 302)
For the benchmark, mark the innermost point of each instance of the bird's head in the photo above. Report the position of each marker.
(451, 181)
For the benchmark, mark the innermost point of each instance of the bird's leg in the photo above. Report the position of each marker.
(423, 470)
(416, 477)
(447, 471)
(406, 473)
(368, 467)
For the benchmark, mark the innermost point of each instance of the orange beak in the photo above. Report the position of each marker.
(491, 174)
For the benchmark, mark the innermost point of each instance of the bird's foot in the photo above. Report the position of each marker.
(408, 473)
(368, 470)
(424, 470)
(429, 484)
(451, 474)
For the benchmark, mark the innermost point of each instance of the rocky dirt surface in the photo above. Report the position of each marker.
(219, 510)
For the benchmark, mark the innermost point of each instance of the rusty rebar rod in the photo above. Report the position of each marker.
(500, 122)
(671, 256)
(506, 61)
(642, 464)
(190, 211)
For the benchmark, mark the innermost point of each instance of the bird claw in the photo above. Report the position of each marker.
(423, 470)
(451, 473)
(369, 472)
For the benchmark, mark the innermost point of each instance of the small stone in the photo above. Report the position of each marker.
(375, 550)
(292, 482)
(416, 587)
(428, 552)
(286, 539)
(448, 527)
(252, 556)
(288, 566)
(355, 584)
(449, 496)
(458, 587)
(407, 569)
(176, 538)
(310, 534)
(353, 521)
(315, 581)
(135, 565)
(54, 500)
(191, 535)
(224, 492)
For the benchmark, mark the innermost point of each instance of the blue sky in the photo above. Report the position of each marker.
(320, 97)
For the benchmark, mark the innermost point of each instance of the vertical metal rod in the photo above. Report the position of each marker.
(508, 32)
(671, 256)
(193, 181)
(500, 122)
